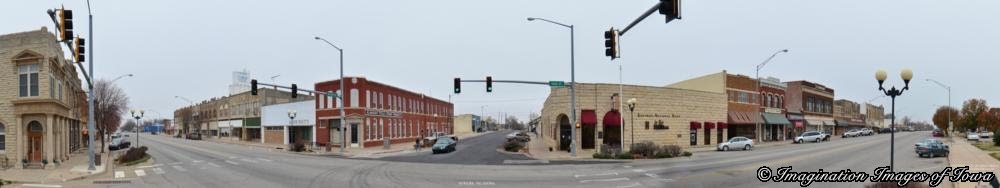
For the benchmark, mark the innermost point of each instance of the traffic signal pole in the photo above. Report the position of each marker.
(641, 17)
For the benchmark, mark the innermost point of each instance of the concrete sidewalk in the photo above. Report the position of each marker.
(963, 153)
(73, 169)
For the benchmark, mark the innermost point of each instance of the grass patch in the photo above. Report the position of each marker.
(987, 147)
(141, 160)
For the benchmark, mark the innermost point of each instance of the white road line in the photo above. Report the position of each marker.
(265, 160)
(40, 185)
(248, 160)
(119, 174)
(150, 166)
(180, 168)
(636, 184)
(638, 170)
(140, 173)
(231, 162)
(626, 166)
(213, 164)
(604, 180)
(605, 174)
(159, 171)
(196, 161)
(174, 163)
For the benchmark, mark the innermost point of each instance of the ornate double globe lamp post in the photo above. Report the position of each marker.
(138, 124)
(892, 92)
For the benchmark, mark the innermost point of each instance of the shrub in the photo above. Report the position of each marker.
(610, 150)
(673, 150)
(645, 149)
(133, 154)
(512, 146)
(624, 156)
(602, 156)
(687, 154)
(661, 155)
(996, 139)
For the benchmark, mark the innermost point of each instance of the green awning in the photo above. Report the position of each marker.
(775, 119)
(251, 122)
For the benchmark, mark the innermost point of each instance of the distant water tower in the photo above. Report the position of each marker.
(241, 82)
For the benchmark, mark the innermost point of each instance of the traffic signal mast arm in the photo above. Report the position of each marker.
(69, 44)
(299, 89)
(516, 82)
(671, 11)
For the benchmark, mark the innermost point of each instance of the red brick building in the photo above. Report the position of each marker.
(378, 112)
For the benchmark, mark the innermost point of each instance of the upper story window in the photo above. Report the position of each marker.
(3, 136)
(28, 80)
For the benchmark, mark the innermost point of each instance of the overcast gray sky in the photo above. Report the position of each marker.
(190, 48)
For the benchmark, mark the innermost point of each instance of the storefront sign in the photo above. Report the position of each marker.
(659, 115)
(383, 113)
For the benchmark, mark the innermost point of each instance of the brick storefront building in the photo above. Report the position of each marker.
(377, 113)
(847, 115)
(663, 115)
(810, 106)
(773, 102)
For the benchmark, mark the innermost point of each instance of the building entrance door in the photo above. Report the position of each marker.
(354, 134)
(35, 141)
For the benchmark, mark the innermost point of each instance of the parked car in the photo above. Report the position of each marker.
(194, 136)
(826, 136)
(926, 142)
(736, 142)
(937, 133)
(810, 136)
(443, 145)
(118, 142)
(867, 132)
(985, 134)
(972, 136)
(933, 150)
(851, 133)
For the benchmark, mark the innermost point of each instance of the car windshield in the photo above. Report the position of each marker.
(444, 140)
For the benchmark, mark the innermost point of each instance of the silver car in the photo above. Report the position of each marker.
(810, 136)
(736, 142)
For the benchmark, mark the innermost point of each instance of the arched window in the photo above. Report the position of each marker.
(34, 126)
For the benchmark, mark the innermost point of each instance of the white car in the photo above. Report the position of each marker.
(736, 142)
(867, 132)
(851, 133)
(810, 136)
(972, 137)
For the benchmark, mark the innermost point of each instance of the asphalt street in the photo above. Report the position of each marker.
(188, 163)
(476, 150)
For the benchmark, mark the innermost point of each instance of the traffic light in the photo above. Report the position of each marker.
(65, 24)
(458, 85)
(253, 87)
(671, 9)
(489, 84)
(295, 91)
(611, 43)
(78, 49)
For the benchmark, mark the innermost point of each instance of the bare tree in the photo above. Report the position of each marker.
(109, 105)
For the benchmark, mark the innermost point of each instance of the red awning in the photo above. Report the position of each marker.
(612, 118)
(798, 124)
(709, 125)
(588, 117)
(695, 125)
(723, 125)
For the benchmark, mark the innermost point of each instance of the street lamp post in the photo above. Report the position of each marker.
(906, 75)
(343, 121)
(137, 116)
(631, 110)
(572, 85)
(949, 102)
(760, 95)
(291, 121)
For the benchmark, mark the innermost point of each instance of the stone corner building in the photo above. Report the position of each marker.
(663, 115)
(42, 104)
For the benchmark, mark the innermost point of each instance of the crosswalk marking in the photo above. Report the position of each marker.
(180, 168)
(159, 171)
(140, 173)
(231, 162)
(196, 161)
(248, 160)
(604, 180)
(213, 164)
(265, 160)
(119, 174)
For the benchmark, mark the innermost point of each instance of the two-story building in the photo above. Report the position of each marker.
(847, 115)
(777, 127)
(42, 103)
(377, 114)
(810, 106)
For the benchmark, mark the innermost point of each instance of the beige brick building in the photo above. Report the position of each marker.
(235, 117)
(42, 105)
(663, 115)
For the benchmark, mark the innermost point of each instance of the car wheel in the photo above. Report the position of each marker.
(746, 147)
(798, 141)
(817, 140)
(725, 148)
